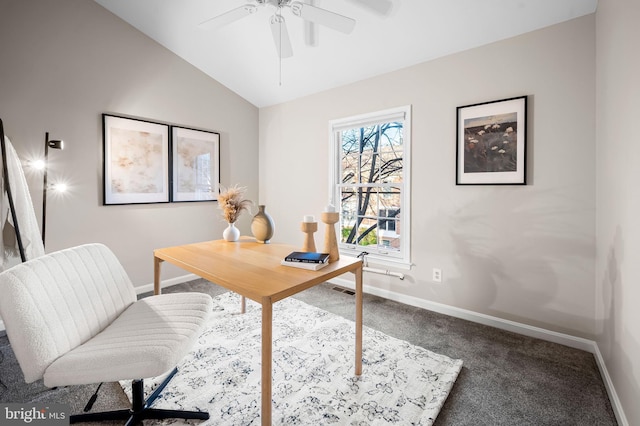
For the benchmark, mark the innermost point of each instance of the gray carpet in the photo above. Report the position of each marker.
(507, 379)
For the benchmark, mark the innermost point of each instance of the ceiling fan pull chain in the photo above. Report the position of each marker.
(280, 49)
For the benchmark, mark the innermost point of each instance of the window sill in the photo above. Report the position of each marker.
(372, 259)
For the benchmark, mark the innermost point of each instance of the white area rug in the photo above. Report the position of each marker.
(313, 372)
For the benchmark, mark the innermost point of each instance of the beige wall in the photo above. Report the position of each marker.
(618, 228)
(63, 64)
(521, 253)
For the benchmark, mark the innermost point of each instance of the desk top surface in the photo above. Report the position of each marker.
(252, 269)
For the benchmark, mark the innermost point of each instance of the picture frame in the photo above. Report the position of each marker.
(135, 161)
(195, 164)
(491, 143)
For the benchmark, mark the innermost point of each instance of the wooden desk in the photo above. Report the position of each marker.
(253, 270)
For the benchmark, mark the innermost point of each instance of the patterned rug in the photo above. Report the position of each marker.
(313, 371)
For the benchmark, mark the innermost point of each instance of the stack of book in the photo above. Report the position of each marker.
(306, 260)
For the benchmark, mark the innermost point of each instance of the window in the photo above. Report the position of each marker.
(370, 184)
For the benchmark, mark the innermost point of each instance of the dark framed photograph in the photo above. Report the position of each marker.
(135, 161)
(491, 146)
(196, 164)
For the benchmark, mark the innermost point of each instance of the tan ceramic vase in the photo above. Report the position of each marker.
(262, 226)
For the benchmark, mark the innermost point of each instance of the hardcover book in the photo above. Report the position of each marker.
(305, 265)
(307, 257)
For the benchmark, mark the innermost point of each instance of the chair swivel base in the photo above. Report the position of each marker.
(140, 409)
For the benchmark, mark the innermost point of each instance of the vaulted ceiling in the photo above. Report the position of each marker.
(388, 35)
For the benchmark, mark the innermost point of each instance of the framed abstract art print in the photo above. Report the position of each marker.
(135, 161)
(196, 164)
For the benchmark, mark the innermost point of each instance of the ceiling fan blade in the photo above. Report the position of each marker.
(310, 33)
(281, 37)
(323, 17)
(311, 30)
(229, 17)
(383, 7)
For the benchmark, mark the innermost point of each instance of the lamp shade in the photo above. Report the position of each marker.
(55, 144)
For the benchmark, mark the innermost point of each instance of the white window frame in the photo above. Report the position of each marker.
(401, 258)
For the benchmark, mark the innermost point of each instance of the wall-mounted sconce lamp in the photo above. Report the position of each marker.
(54, 144)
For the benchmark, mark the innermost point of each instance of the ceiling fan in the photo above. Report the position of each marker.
(307, 11)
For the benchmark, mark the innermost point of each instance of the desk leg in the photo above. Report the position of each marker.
(156, 275)
(359, 321)
(267, 319)
(243, 304)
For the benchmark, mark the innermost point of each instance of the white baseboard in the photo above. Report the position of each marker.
(611, 390)
(167, 283)
(540, 333)
(503, 324)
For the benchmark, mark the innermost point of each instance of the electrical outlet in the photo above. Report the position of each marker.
(437, 275)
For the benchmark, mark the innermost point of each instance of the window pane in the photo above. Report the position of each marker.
(391, 166)
(369, 136)
(348, 214)
(347, 233)
(367, 167)
(349, 203)
(392, 134)
(391, 153)
(349, 167)
(367, 232)
(390, 197)
(371, 199)
(349, 156)
(369, 139)
(350, 140)
(389, 240)
(389, 218)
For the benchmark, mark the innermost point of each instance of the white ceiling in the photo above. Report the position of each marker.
(242, 55)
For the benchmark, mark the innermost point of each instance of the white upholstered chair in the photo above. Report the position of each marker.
(72, 317)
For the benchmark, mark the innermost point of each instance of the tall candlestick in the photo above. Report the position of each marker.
(330, 241)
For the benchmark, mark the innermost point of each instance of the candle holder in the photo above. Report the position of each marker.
(309, 228)
(330, 242)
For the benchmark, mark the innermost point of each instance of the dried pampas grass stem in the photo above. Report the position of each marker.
(232, 203)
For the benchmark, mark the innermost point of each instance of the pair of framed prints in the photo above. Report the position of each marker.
(149, 162)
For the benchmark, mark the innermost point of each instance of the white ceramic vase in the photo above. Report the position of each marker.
(231, 233)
